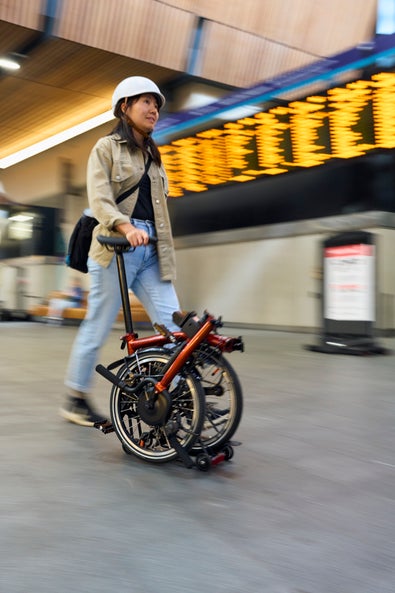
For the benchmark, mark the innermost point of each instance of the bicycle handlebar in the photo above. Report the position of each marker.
(119, 241)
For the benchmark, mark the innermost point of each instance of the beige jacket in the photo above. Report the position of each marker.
(112, 170)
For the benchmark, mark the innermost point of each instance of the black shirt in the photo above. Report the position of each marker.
(143, 209)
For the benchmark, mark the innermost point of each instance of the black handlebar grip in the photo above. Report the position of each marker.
(119, 241)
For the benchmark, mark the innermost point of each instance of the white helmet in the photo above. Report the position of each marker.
(133, 86)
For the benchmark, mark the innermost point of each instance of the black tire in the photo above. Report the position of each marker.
(224, 400)
(186, 413)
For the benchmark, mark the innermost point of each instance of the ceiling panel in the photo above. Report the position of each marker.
(144, 29)
(26, 13)
(249, 58)
(316, 27)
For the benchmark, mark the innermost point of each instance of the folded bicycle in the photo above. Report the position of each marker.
(174, 394)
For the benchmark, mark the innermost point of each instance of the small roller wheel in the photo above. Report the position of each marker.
(228, 452)
(203, 462)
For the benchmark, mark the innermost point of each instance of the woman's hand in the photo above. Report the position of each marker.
(134, 235)
(137, 237)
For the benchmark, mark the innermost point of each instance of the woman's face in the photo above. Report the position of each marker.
(144, 112)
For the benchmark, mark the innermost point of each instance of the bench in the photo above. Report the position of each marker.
(74, 315)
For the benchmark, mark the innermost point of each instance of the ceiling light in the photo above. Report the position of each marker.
(34, 149)
(21, 217)
(9, 64)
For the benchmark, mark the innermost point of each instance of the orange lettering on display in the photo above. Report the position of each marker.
(344, 122)
(383, 109)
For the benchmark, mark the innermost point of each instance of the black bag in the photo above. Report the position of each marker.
(81, 237)
(80, 243)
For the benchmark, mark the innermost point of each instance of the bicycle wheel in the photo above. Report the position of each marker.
(224, 399)
(150, 440)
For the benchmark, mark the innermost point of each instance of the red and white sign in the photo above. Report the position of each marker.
(349, 282)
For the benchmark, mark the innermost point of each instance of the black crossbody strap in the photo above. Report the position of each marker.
(129, 192)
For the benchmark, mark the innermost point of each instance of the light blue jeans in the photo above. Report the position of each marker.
(143, 277)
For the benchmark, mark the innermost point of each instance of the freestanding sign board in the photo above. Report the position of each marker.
(349, 294)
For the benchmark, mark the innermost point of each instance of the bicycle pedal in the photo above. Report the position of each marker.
(164, 331)
(104, 427)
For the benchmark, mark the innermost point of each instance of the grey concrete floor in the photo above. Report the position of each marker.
(305, 506)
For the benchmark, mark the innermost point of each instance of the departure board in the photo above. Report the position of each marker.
(342, 123)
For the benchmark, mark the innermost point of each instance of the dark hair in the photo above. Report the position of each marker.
(125, 131)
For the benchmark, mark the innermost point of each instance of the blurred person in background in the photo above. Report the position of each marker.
(117, 163)
(70, 298)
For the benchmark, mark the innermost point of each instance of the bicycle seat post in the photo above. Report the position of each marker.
(123, 286)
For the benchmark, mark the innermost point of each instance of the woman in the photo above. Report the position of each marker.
(116, 164)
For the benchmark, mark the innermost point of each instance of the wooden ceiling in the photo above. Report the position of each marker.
(72, 59)
(60, 84)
